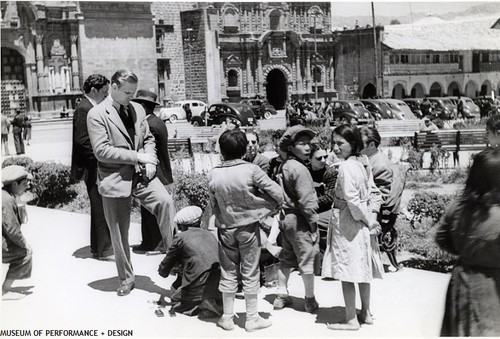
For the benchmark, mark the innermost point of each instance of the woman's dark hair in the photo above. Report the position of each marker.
(482, 187)
(352, 135)
(315, 146)
(493, 123)
(233, 144)
(371, 134)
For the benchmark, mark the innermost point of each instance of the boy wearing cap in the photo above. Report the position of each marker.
(241, 194)
(299, 225)
(15, 250)
(195, 249)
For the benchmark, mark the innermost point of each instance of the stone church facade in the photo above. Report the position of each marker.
(205, 50)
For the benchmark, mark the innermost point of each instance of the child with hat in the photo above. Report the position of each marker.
(195, 250)
(15, 250)
(299, 224)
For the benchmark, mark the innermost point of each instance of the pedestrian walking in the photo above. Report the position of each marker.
(126, 155)
(151, 235)
(5, 134)
(27, 129)
(84, 165)
(17, 131)
(353, 245)
(241, 194)
(15, 250)
(470, 230)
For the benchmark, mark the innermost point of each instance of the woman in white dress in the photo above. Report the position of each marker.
(353, 247)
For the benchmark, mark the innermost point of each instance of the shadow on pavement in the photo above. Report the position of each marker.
(141, 283)
(330, 315)
(297, 303)
(83, 253)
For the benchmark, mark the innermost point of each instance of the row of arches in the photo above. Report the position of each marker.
(437, 89)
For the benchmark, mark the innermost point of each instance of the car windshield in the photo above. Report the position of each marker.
(402, 104)
(468, 101)
(358, 105)
(177, 105)
(446, 102)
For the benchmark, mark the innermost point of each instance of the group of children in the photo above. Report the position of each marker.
(242, 195)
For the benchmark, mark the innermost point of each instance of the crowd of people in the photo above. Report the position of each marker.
(316, 211)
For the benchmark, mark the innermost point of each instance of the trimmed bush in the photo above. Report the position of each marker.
(428, 205)
(51, 183)
(193, 188)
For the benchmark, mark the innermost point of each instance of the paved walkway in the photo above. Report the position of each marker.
(75, 292)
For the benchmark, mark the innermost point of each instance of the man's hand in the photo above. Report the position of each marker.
(147, 158)
(150, 171)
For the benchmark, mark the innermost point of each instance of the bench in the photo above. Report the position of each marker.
(398, 128)
(179, 144)
(451, 140)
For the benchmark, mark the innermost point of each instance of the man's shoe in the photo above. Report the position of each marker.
(311, 305)
(226, 323)
(281, 301)
(125, 289)
(257, 324)
(141, 249)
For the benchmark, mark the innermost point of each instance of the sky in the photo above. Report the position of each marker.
(398, 8)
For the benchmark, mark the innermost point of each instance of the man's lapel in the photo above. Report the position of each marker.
(116, 120)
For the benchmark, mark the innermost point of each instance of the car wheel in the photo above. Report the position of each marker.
(173, 118)
(267, 115)
(196, 121)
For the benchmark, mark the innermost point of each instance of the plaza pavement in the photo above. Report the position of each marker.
(74, 292)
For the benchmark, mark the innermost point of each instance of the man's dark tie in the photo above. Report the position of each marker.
(127, 121)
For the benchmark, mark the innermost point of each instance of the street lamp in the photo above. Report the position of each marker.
(188, 39)
(315, 13)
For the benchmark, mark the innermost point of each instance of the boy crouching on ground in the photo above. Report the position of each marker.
(299, 225)
(241, 194)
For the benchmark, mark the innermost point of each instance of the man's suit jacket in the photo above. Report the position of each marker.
(160, 132)
(115, 151)
(83, 158)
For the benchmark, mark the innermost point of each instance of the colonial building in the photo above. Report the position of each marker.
(236, 50)
(428, 58)
(50, 48)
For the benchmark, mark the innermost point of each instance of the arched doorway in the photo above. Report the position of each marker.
(369, 92)
(454, 89)
(398, 92)
(276, 88)
(13, 81)
(417, 91)
(436, 90)
(486, 88)
(471, 89)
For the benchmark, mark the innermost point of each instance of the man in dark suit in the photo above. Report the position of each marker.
(151, 236)
(84, 165)
(17, 130)
(126, 154)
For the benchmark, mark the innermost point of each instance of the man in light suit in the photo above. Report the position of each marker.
(84, 165)
(126, 154)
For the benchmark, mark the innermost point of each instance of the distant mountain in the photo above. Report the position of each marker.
(489, 8)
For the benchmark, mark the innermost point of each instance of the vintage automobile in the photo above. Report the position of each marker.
(217, 113)
(470, 109)
(444, 106)
(261, 108)
(414, 104)
(399, 108)
(487, 105)
(177, 111)
(344, 111)
(379, 108)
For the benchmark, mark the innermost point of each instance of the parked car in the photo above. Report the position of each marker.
(446, 109)
(487, 105)
(399, 108)
(414, 104)
(177, 111)
(261, 108)
(379, 108)
(470, 110)
(216, 114)
(344, 111)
